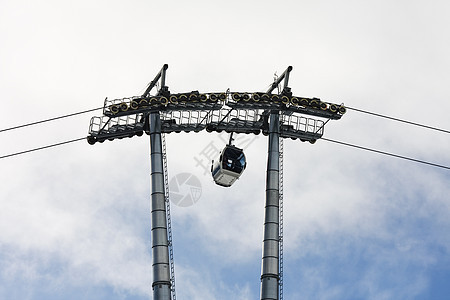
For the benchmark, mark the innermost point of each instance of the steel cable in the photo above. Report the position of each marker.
(387, 153)
(43, 147)
(397, 119)
(51, 119)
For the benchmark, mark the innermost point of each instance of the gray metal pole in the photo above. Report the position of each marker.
(162, 75)
(284, 76)
(270, 252)
(160, 249)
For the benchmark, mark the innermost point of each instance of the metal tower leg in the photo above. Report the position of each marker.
(281, 220)
(169, 219)
(160, 253)
(270, 254)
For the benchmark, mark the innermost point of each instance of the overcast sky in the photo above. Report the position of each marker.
(75, 219)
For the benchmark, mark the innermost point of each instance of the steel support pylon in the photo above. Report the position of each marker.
(160, 247)
(238, 112)
(270, 251)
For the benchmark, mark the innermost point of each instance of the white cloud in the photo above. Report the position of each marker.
(77, 217)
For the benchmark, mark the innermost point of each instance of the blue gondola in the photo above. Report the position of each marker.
(230, 165)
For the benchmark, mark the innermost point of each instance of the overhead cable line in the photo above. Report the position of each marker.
(43, 147)
(51, 119)
(387, 153)
(325, 139)
(351, 108)
(397, 119)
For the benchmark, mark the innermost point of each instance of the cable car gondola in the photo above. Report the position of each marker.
(230, 165)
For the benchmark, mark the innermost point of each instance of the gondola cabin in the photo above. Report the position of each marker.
(230, 165)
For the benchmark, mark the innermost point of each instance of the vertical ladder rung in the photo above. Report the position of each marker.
(281, 219)
(169, 219)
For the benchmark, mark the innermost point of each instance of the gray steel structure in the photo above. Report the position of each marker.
(162, 267)
(270, 255)
(278, 116)
(270, 266)
(160, 252)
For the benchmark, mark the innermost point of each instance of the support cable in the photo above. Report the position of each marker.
(350, 108)
(325, 139)
(169, 218)
(43, 147)
(387, 153)
(398, 120)
(51, 119)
